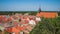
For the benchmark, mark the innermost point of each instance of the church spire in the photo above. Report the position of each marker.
(39, 10)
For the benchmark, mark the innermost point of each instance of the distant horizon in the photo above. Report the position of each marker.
(41, 10)
(29, 5)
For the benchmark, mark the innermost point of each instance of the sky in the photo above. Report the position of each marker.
(29, 5)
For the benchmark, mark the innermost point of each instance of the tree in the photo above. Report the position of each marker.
(47, 26)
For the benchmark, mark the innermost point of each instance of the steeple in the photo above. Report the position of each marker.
(39, 10)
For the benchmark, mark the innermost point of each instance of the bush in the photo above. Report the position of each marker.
(47, 26)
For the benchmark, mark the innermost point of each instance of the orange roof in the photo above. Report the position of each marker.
(38, 14)
(3, 18)
(30, 18)
(13, 29)
(21, 22)
(8, 29)
(20, 28)
(9, 18)
(28, 27)
(47, 14)
(26, 21)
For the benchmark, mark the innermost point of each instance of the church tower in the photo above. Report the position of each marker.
(39, 10)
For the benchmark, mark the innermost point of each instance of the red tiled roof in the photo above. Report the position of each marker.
(12, 29)
(19, 27)
(47, 14)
